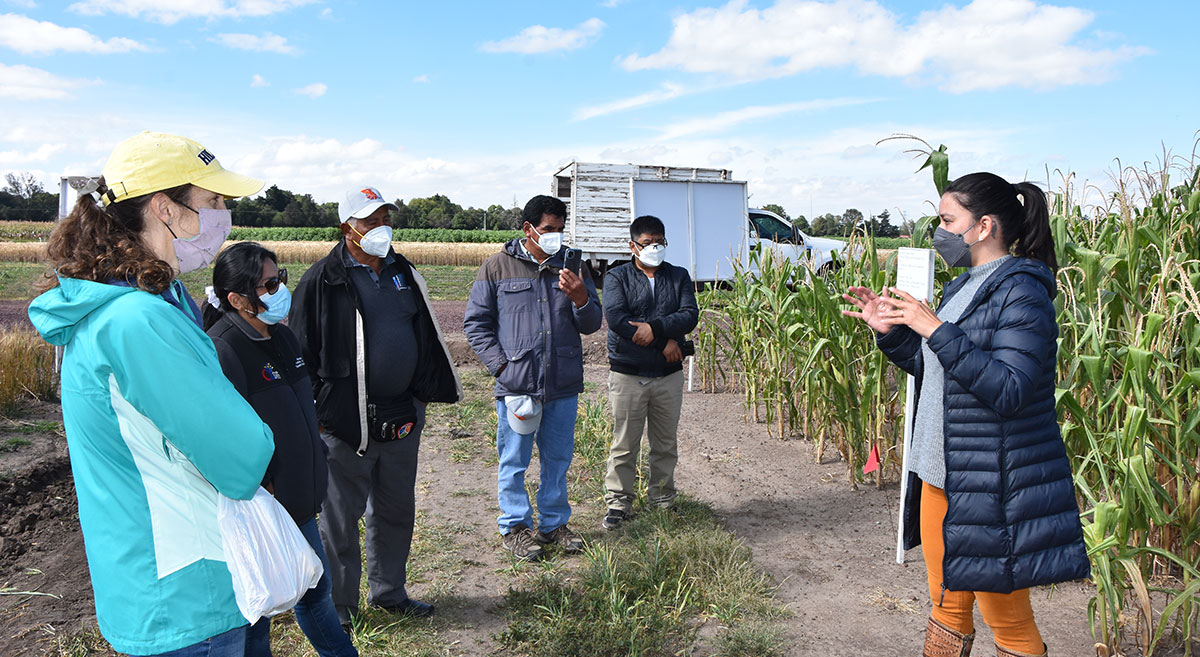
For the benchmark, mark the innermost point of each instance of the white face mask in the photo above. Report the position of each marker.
(377, 241)
(549, 243)
(652, 255)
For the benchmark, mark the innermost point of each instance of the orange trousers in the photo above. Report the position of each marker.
(1008, 614)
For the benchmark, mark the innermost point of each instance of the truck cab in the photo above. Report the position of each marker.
(771, 231)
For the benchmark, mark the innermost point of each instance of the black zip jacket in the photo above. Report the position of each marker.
(326, 317)
(670, 309)
(271, 375)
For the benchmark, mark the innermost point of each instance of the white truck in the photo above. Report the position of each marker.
(705, 211)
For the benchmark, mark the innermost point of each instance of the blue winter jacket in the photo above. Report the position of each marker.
(1012, 520)
(517, 315)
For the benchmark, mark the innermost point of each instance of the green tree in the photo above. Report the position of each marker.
(826, 224)
(25, 199)
(801, 223)
(777, 209)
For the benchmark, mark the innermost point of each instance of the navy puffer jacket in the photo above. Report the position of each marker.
(1012, 520)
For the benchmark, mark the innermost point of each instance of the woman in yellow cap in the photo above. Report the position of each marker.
(154, 428)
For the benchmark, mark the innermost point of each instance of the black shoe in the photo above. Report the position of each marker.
(410, 607)
(613, 519)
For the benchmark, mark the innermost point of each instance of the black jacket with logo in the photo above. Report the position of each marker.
(271, 375)
(326, 316)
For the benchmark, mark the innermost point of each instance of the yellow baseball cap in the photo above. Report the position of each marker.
(154, 161)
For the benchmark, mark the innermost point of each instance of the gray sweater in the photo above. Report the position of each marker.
(927, 458)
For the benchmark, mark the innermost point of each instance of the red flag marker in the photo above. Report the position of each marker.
(872, 460)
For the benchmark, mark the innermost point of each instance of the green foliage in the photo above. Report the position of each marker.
(24, 199)
(332, 234)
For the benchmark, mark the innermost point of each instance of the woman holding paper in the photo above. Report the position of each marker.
(995, 505)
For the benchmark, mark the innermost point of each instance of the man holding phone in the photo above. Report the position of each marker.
(524, 319)
(650, 305)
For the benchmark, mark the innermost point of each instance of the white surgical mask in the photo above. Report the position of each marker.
(549, 243)
(652, 255)
(377, 241)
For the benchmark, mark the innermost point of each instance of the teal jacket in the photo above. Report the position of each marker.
(155, 431)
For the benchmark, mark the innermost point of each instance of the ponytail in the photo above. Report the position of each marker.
(104, 244)
(1035, 241)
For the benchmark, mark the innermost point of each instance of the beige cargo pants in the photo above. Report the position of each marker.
(641, 403)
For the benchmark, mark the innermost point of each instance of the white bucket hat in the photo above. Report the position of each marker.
(524, 413)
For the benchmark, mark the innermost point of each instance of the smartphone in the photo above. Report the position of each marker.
(571, 260)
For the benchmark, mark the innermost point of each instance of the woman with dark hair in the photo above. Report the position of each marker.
(995, 503)
(155, 430)
(261, 357)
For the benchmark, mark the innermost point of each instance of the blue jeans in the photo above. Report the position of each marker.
(315, 614)
(556, 445)
(225, 644)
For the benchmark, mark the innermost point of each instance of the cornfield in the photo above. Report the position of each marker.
(1128, 392)
(419, 253)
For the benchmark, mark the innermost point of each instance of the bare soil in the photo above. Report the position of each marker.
(829, 548)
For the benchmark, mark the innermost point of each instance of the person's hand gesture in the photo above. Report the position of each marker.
(572, 286)
(901, 308)
(871, 308)
(644, 335)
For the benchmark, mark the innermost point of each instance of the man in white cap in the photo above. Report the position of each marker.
(376, 356)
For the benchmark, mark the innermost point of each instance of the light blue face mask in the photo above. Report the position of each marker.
(277, 304)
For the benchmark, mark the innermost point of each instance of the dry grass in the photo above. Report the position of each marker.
(419, 253)
(26, 367)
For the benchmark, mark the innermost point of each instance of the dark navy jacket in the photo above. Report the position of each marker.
(1012, 520)
(517, 315)
(670, 309)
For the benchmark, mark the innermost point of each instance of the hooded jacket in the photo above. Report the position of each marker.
(155, 431)
(1012, 520)
(517, 318)
(326, 317)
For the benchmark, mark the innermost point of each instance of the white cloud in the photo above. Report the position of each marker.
(421, 78)
(314, 90)
(612, 4)
(265, 42)
(176, 10)
(983, 45)
(540, 39)
(20, 82)
(664, 93)
(23, 4)
(32, 37)
(326, 13)
(41, 154)
(259, 81)
(726, 120)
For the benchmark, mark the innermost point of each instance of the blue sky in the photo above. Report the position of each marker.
(482, 101)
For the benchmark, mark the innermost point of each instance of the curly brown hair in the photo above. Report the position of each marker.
(104, 244)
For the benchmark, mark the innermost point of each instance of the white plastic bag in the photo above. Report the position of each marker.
(272, 564)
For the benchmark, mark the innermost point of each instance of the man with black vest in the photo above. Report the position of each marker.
(376, 356)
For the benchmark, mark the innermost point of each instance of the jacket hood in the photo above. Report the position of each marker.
(513, 248)
(1039, 270)
(57, 312)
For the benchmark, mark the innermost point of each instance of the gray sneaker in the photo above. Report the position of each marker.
(569, 541)
(613, 519)
(522, 543)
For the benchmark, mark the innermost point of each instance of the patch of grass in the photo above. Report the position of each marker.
(463, 450)
(640, 592)
(13, 444)
(469, 492)
(447, 282)
(47, 426)
(87, 642)
(752, 639)
(18, 280)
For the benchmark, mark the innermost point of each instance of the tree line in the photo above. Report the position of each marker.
(25, 199)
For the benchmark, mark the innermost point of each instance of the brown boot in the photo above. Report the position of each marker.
(941, 641)
(1005, 652)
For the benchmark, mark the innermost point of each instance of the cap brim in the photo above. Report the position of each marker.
(230, 184)
(366, 210)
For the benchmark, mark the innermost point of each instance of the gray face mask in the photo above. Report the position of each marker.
(952, 247)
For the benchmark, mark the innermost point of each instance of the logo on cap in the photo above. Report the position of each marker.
(371, 195)
(206, 157)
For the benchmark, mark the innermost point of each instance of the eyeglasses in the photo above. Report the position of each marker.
(272, 284)
(662, 242)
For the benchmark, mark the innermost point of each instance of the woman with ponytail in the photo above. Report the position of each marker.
(154, 428)
(260, 355)
(990, 496)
